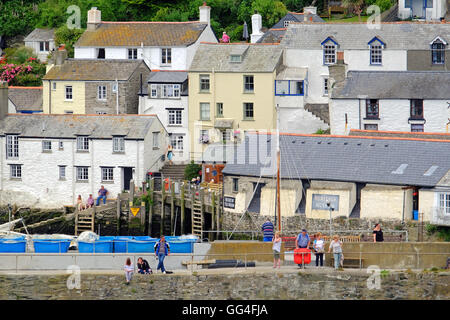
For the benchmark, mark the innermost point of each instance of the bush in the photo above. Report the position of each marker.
(192, 171)
(64, 35)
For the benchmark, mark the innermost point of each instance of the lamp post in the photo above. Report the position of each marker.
(331, 210)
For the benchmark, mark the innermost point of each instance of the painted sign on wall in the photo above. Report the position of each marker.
(319, 202)
(229, 202)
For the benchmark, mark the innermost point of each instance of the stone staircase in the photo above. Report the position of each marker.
(321, 111)
(175, 172)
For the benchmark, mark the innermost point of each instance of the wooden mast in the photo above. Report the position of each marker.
(278, 171)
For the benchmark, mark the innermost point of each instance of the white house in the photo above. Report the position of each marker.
(42, 41)
(162, 45)
(166, 95)
(310, 48)
(414, 101)
(46, 161)
(422, 9)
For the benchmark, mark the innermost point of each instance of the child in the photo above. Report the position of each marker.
(336, 245)
(128, 270)
(276, 250)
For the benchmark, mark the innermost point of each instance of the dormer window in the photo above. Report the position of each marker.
(376, 47)
(329, 51)
(438, 51)
(286, 23)
(235, 58)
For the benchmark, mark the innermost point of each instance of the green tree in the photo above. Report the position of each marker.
(355, 6)
(64, 35)
(271, 11)
(192, 171)
(17, 17)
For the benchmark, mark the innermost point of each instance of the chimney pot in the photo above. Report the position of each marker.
(205, 13)
(94, 19)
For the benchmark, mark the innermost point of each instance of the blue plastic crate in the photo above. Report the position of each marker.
(136, 246)
(96, 246)
(51, 245)
(181, 246)
(14, 246)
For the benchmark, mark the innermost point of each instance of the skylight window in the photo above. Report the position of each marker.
(235, 58)
(431, 171)
(401, 169)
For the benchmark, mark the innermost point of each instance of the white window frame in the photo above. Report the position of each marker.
(205, 111)
(15, 171)
(177, 142)
(249, 86)
(436, 51)
(166, 56)
(102, 93)
(169, 91)
(245, 105)
(118, 144)
(46, 145)
(132, 53)
(286, 23)
(444, 203)
(329, 53)
(44, 46)
(82, 143)
(68, 93)
(107, 174)
(12, 146)
(82, 173)
(175, 117)
(235, 58)
(376, 53)
(219, 109)
(204, 83)
(62, 172)
(156, 137)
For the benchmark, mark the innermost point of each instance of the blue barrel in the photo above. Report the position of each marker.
(51, 245)
(15, 246)
(181, 246)
(96, 246)
(415, 214)
(136, 246)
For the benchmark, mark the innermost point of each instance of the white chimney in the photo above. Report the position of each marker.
(94, 19)
(256, 28)
(312, 10)
(205, 13)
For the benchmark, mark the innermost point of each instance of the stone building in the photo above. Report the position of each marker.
(348, 176)
(416, 101)
(90, 86)
(42, 41)
(162, 45)
(48, 160)
(165, 94)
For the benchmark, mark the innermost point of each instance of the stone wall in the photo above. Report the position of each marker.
(268, 286)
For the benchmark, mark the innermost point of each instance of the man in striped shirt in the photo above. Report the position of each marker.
(267, 229)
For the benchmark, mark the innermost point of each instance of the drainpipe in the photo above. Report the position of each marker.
(117, 96)
(403, 210)
(49, 97)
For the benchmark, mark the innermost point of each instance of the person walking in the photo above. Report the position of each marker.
(169, 154)
(267, 229)
(143, 266)
(162, 249)
(318, 246)
(302, 242)
(377, 233)
(129, 269)
(276, 250)
(102, 195)
(336, 245)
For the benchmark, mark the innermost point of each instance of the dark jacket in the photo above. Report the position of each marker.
(144, 265)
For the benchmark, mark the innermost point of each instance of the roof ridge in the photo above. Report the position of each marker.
(403, 132)
(239, 43)
(19, 87)
(150, 22)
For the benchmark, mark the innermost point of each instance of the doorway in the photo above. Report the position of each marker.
(127, 174)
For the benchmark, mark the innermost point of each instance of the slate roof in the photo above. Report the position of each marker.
(400, 35)
(345, 159)
(394, 85)
(257, 58)
(401, 134)
(167, 77)
(26, 98)
(69, 125)
(132, 34)
(41, 35)
(93, 69)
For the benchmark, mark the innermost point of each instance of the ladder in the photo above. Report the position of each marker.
(84, 221)
(197, 217)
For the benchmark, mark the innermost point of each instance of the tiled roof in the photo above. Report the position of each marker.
(68, 126)
(256, 58)
(167, 77)
(26, 98)
(93, 69)
(394, 85)
(41, 35)
(133, 34)
(402, 36)
(343, 158)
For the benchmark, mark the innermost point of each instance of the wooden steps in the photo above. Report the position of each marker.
(84, 220)
(197, 218)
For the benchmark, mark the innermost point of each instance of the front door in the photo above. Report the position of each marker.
(127, 176)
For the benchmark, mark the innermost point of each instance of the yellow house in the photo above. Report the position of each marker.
(231, 91)
(85, 86)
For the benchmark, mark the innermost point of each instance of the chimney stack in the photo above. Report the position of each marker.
(337, 71)
(3, 99)
(312, 10)
(205, 13)
(256, 27)
(94, 19)
(60, 55)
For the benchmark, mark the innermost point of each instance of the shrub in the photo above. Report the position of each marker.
(192, 171)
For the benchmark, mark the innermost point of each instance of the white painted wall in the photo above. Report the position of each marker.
(159, 107)
(35, 45)
(40, 185)
(85, 53)
(394, 115)
(206, 36)
(392, 60)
